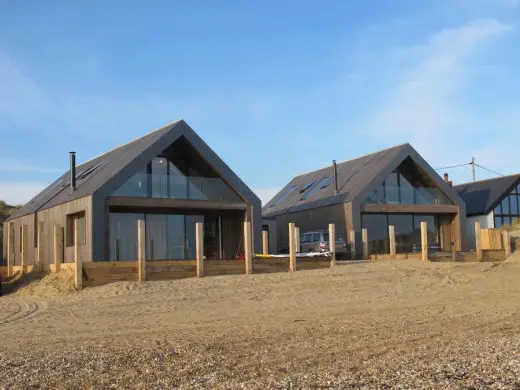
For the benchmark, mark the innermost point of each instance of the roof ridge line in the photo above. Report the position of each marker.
(355, 158)
(490, 179)
(134, 140)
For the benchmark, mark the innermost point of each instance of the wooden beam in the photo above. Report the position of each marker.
(199, 244)
(58, 247)
(141, 250)
(410, 208)
(24, 248)
(78, 266)
(352, 241)
(332, 244)
(364, 237)
(453, 253)
(478, 241)
(41, 246)
(424, 241)
(265, 242)
(191, 204)
(10, 248)
(292, 248)
(248, 248)
(507, 243)
(391, 235)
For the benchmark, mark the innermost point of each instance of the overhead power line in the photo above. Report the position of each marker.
(453, 166)
(489, 170)
(473, 165)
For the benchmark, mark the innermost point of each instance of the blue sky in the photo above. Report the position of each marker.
(275, 88)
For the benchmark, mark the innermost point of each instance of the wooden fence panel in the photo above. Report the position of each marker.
(491, 239)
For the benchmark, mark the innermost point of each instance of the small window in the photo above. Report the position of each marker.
(303, 238)
(327, 183)
(498, 209)
(284, 195)
(498, 222)
(87, 172)
(513, 199)
(315, 187)
(306, 187)
(505, 205)
(316, 237)
(76, 221)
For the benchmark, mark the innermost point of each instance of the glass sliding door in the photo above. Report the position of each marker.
(377, 227)
(156, 237)
(433, 230)
(176, 237)
(404, 234)
(123, 236)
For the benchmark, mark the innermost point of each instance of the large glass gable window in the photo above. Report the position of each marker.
(178, 173)
(508, 211)
(407, 185)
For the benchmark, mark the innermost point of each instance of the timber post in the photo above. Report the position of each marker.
(24, 248)
(248, 248)
(265, 242)
(58, 247)
(391, 235)
(364, 237)
(332, 244)
(199, 248)
(141, 250)
(478, 241)
(78, 265)
(507, 243)
(292, 248)
(10, 249)
(352, 240)
(424, 241)
(41, 245)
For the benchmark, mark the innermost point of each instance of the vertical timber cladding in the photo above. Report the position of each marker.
(57, 215)
(310, 220)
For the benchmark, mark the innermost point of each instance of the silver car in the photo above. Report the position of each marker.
(318, 241)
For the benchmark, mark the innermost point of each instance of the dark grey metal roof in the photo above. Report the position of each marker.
(483, 196)
(356, 179)
(115, 166)
(351, 175)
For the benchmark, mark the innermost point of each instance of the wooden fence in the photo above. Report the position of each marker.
(491, 245)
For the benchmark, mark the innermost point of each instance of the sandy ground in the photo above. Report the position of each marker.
(400, 324)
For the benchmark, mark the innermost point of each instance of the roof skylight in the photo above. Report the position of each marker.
(284, 195)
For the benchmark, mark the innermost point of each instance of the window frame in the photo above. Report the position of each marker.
(71, 228)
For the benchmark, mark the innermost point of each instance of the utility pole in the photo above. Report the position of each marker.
(473, 168)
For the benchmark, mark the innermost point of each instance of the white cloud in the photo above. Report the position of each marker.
(266, 194)
(423, 108)
(19, 193)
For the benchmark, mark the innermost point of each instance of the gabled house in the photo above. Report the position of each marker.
(493, 203)
(170, 178)
(395, 187)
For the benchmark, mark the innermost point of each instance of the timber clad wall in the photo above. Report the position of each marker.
(310, 220)
(50, 217)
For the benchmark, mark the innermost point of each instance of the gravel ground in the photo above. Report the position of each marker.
(398, 324)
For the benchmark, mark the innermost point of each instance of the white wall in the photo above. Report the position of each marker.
(486, 222)
(273, 242)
